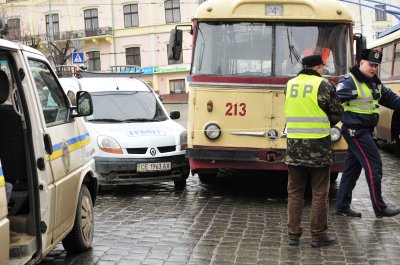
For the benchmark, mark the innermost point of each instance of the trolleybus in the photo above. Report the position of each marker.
(244, 52)
(388, 128)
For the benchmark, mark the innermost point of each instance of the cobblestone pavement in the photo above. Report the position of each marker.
(236, 220)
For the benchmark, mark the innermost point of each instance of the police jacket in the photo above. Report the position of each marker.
(347, 91)
(316, 152)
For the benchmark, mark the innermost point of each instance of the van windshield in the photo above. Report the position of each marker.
(268, 49)
(125, 106)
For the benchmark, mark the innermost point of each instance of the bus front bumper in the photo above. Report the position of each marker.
(204, 159)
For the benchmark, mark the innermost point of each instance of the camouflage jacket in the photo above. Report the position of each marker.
(316, 152)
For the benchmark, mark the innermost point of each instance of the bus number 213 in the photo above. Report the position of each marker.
(234, 109)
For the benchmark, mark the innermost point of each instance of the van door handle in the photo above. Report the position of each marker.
(48, 146)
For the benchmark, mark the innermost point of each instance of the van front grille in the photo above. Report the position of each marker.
(136, 151)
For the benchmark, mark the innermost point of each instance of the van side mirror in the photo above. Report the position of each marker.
(361, 43)
(175, 44)
(175, 114)
(84, 104)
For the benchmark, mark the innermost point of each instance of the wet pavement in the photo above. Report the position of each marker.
(238, 219)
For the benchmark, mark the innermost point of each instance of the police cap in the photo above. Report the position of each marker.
(372, 56)
(311, 60)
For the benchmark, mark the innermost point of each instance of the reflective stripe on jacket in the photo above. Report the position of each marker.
(365, 102)
(304, 118)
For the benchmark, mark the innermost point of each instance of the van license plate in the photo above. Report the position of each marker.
(147, 167)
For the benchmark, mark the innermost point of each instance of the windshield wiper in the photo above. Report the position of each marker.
(137, 119)
(106, 120)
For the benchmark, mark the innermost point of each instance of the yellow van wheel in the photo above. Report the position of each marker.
(81, 236)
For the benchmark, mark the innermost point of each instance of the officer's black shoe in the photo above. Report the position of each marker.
(387, 213)
(323, 242)
(293, 241)
(347, 212)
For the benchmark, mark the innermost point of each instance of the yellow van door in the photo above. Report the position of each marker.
(4, 223)
(67, 158)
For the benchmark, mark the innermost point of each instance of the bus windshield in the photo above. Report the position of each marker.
(268, 49)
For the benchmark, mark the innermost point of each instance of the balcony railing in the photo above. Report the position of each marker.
(76, 34)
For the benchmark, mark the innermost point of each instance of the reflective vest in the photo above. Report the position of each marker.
(304, 118)
(365, 102)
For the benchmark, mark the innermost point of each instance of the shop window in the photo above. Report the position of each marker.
(177, 86)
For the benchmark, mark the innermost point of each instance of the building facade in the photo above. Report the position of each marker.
(135, 32)
(109, 33)
(371, 22)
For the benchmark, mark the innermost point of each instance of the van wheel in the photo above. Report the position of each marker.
(180, 184)
(81, 236)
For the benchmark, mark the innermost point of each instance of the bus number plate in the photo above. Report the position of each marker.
(148, 167)
(274, 10)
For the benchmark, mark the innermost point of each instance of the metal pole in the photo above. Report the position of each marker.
(361, 24)
(50, 37)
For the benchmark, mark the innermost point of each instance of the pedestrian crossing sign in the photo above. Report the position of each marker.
(77, 58)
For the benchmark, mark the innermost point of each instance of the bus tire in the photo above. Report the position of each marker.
(81, 236)
(207, 178)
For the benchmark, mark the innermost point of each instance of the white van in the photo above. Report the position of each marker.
(135, 140)
(45, 158)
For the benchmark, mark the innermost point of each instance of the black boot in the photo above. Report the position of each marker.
(387, 212)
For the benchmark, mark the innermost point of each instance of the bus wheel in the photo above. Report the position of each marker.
(81, 236)
(207, 178)
(180, 184)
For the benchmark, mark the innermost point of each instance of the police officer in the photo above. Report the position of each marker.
(361, 92)
(311, 108)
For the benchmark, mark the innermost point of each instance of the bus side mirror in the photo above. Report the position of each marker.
(361, 43)
(175, 44)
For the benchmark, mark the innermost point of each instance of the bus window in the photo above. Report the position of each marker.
(387, 59)
(291, 47)
(233, 49)
(396, 68)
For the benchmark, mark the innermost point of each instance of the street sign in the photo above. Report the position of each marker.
(77, 58)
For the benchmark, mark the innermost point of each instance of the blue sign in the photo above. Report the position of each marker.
(78, 58)
(147, 70)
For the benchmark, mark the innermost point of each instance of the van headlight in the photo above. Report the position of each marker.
(108, 144)
(335, 134)
(212, 131)
(183, 140)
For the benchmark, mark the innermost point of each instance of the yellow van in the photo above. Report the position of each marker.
(47, 183)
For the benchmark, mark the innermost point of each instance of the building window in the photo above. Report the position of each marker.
(177, 86)
(380, 15)
(396, 67)
(56, 26)
(172, 11)
(175, 62)
(131, 16)
(14, 29)
(133, 56)
(91, 22)
(94, 63)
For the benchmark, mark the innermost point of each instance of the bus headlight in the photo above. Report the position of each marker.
(335, 134)
(212, 131)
